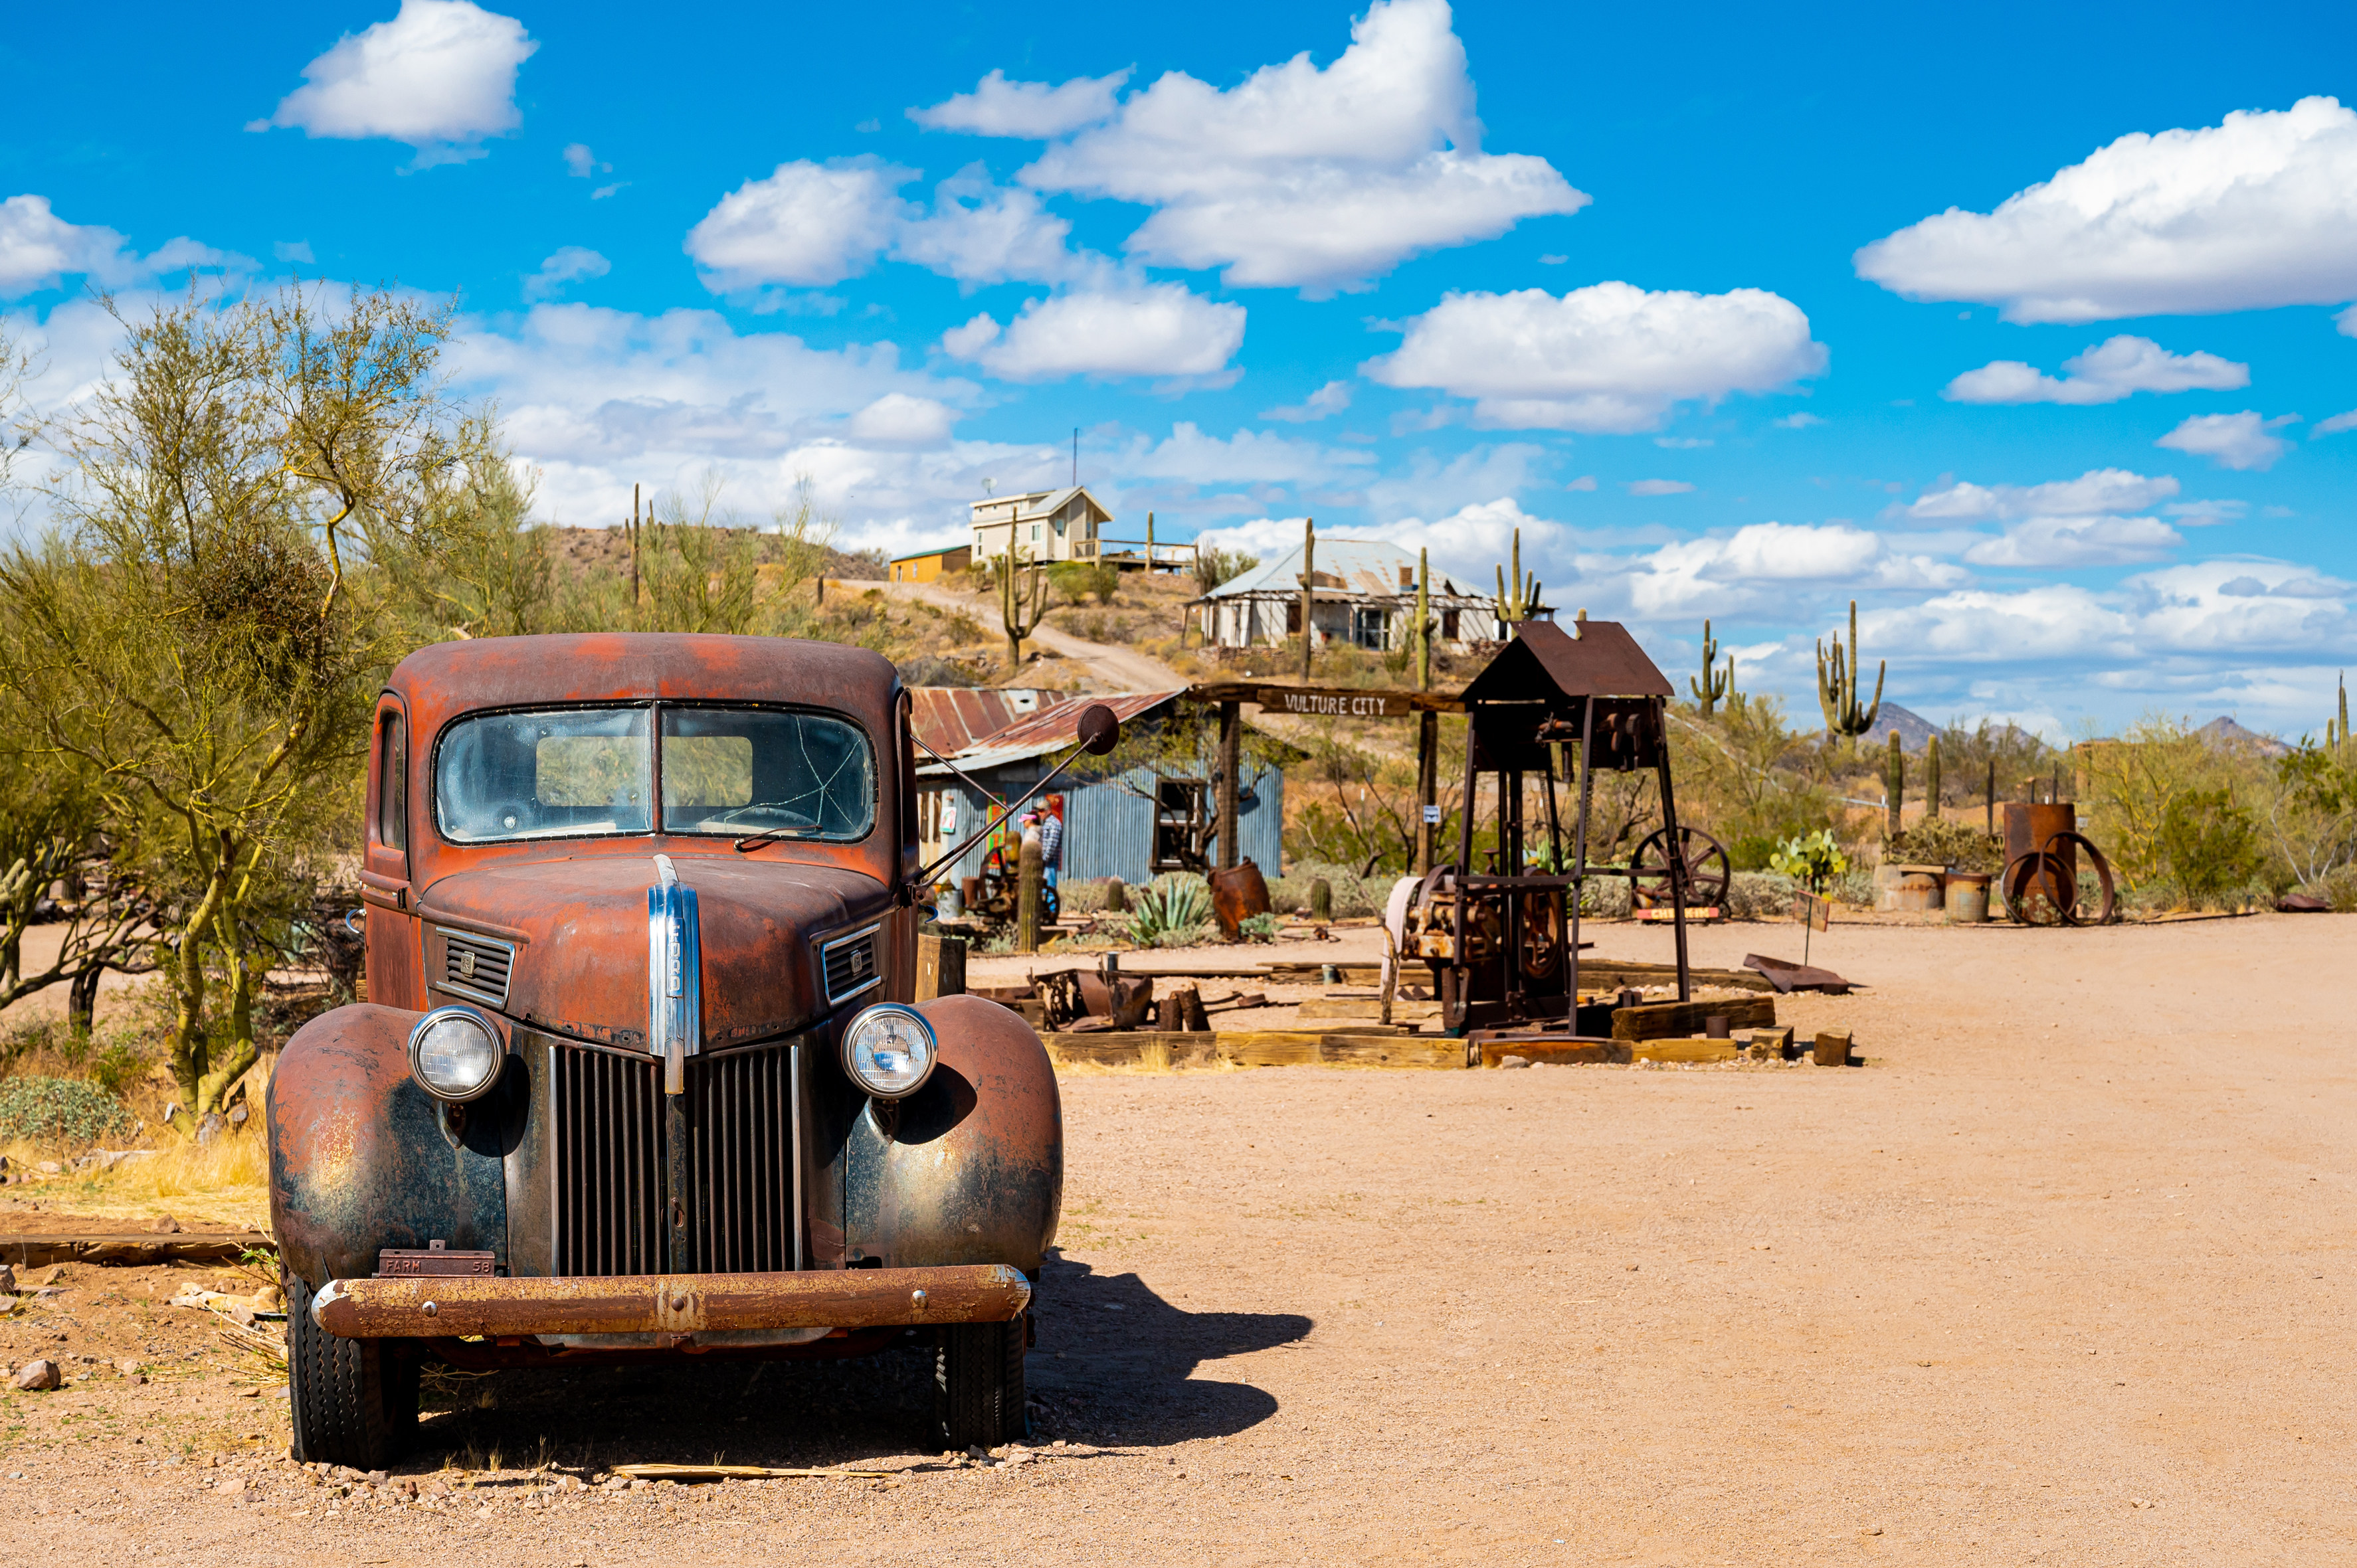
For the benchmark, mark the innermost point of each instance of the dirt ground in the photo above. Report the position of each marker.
(2061, 1276)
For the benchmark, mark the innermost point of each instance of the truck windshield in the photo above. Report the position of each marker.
(573, 772)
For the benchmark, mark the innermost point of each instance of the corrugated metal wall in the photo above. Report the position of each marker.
(1109, 829)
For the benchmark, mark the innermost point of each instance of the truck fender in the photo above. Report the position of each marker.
(362, 1158)
(970, 1169)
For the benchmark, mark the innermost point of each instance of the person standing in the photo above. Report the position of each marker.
(1052, 844)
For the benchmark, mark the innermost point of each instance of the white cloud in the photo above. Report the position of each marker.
(1330, 399)
(1031, 110)
(2077, 542)
(1800, 421)
(2209, 606)
(2258, 211)
(2113, 370)
(579, 161)
(1429, 487)
(1475, 538)
(2054, 621)
(1245, 457)
(1609, 359)
(439, 77)
(294, 251)
(1660, 488)
(2095, 491)
(807, 224)
(898, 419)
(2231, 440)
(1150, 329)
(1309, 179)
(2335, 426)
(1585, 482)
(38, 250)
(1759, 565)
(568, 264)
(980, 233)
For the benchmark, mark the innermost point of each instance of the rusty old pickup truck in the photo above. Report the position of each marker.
(641, 1074)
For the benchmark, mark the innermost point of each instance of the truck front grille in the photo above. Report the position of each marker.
(608, 1116)
(612, 1192)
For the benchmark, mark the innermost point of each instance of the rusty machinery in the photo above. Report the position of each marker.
(1503, 940)
(2041, 884)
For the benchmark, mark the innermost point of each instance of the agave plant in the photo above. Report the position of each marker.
(1170, 911)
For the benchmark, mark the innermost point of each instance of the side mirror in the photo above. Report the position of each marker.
(1100, 732)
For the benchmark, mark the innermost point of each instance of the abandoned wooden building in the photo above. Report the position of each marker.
(1133, 825)
(1364, 595)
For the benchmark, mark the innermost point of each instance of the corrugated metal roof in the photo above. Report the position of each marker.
(952, 719)
(1361, 566)
(1051, 729)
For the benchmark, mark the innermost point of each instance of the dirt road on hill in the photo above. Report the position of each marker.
(1115, 669)
(2063, 1277)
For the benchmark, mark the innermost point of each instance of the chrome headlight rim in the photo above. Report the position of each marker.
(894, 1009)
(457, 1012)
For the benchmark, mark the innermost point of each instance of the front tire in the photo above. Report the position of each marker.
(354, 1402)
(978, 1380)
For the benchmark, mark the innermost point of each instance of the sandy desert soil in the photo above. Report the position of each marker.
(2061, 1277)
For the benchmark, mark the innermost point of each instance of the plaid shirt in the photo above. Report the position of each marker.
(1051, 839)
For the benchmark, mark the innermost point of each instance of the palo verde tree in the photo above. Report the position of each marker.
(202, 630)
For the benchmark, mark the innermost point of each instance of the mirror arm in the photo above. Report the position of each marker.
(926, 876)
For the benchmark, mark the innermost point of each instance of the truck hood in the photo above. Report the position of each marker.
(580, 931)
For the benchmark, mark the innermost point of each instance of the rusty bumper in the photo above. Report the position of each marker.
(669, 1303)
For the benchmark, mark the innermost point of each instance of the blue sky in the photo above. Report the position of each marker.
(2025, 328)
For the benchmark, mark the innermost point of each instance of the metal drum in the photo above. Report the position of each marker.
(1969, 895)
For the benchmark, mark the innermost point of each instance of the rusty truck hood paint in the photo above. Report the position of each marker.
(581, 963)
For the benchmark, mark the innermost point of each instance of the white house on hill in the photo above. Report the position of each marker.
(1364, 594)
(1042, 525)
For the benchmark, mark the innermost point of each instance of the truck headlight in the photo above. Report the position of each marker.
(888, 1050)
(454, 1054)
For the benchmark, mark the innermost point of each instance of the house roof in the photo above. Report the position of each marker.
(952, 719)
(936, 550)
(1032, 504)
(1603, 661)
(1052, 728)
(1362, 568)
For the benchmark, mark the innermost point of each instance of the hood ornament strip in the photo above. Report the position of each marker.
(674, 975)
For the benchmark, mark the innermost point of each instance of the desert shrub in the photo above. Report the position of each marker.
(1759, 896)
(933, 670)
(2337, 887)
(1215, 567)
(2209, 845)
(1855, 885)
(1355, 896)
(1604, 898)
(1939, 841)
(1080, 895)
(1173, 911)
(1815, 862)
(1076, 580)
(60, 1110)
(1260, 928)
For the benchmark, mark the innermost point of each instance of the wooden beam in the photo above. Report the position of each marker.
(1667, 1020)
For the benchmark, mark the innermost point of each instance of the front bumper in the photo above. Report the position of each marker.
(669, 1305)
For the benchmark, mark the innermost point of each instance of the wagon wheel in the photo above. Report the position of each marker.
(2109, 911)
(2037, 892)
(1705, 866)
(1542, 934)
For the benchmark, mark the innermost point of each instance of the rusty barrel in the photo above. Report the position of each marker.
(1969, 895)
(1237, 894)
(1910, 888)
(2028, 827)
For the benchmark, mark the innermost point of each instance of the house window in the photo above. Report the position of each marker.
(1292, 616)
(1448, 625)
(1370, 627)
(1035, 533)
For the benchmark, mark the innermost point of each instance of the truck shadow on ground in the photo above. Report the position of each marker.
(1115, 1364)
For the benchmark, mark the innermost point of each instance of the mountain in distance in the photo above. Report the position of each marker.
(1914, 729)
(2223, 732)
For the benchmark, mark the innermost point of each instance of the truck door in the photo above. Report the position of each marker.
(396, 962)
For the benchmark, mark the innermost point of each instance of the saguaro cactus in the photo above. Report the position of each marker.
(1518, 599)
(1932, 780)
(1713, 688)
(2336, 738)
(1837, 686)
(1019, 608)
(1895, 786)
